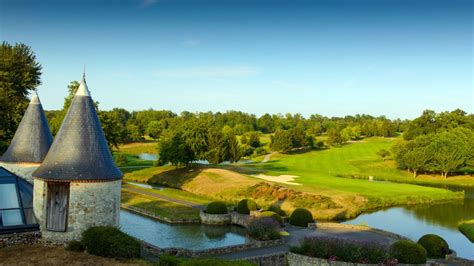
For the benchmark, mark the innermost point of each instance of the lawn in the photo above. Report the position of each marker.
(158, 207)
(41, 255)
(467, 228)
(174, 193)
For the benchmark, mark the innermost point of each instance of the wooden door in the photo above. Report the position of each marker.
(57, 207)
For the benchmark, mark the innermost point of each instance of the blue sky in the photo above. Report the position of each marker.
(332, 57)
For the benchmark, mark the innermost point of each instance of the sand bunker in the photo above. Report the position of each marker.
(285, 179)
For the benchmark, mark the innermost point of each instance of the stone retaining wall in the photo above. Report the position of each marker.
(24, 238)
(152, 250)
(278, 259)
(240, 219)
(159, 217)
(215, 219)
(361, 228)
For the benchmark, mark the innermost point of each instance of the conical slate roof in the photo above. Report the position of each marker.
(79, 151)
(32, 138)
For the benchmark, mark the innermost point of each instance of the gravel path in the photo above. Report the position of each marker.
(267, 157)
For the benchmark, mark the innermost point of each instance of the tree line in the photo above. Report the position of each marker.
(437, 143)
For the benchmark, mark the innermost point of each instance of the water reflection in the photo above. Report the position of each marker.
(415, 221)
(190, 236)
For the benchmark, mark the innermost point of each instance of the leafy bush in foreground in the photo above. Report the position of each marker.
(342, 250)
(245, 206)
(301, 217)
(264, 228)
(408, 252)
(110, 242)
(216, 207)
(76, 246)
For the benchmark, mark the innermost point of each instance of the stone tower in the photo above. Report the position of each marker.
(78, 184)
(31, 142)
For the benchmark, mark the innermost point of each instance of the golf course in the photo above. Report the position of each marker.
(332, 182)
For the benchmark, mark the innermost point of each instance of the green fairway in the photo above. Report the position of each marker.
(327, 171)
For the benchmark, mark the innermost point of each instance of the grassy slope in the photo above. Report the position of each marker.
(158, 207)
(467, 228)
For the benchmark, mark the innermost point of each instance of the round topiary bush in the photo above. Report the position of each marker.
(408, 252)
(245, 206)
(277, 209)
(301, 217)
(272, 215)
(107, 241)
(216, 207)
(436, 246)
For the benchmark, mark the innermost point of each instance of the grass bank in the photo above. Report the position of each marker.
(467, 228)
(162, 208)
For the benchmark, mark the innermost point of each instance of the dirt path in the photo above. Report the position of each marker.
(130, 188)
(267, 157)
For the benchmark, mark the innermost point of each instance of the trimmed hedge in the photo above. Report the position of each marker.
(301, 217)
(245, 206)
(216, 207)
(110, 242)
(408, 252)
(333, 248)
(436, 247)
(275, 208)
(272, 215)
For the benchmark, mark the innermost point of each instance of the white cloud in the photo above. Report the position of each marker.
(291, 85)
(191, 43)
(208, 72)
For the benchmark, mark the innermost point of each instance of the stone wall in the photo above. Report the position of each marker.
(90, 204)
(151, 250)
(171, 220)
(215, 219)
(23, 170)
(278, 259)
(24, 238)
(240, 219)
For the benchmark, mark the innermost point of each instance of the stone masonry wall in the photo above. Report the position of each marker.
(24, 238)
(90, 204)
(24, 171)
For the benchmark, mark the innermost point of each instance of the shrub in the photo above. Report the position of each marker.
(408, 252)
(110, 242)
(168, 260)
(76, 246)
(277, 209)
(342, 250)
(272, 215)
(216, 207)
(301, 217)
(246, 205)
(436, 247)
(263, 229)
(259, 151)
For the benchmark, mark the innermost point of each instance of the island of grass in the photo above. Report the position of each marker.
(467, 228)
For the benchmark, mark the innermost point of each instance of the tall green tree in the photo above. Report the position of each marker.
(20, 73)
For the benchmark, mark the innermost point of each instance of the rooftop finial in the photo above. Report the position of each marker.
(84, 73)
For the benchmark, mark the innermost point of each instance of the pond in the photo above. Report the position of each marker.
(415, 221)
(148, 156)
(189, 236)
